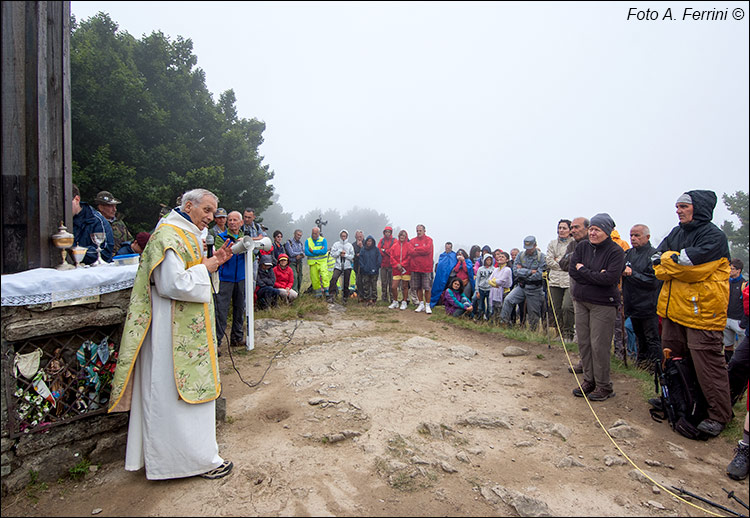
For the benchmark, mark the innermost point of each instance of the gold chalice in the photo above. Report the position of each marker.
(62, 240)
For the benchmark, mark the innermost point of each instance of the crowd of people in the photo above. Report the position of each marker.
(686, 294)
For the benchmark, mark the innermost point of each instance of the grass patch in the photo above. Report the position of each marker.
(34, 486)
(733, 431)
(302, 306)
(513, 333)
(80, 470)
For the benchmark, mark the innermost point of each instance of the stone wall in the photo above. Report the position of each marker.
(51, 453)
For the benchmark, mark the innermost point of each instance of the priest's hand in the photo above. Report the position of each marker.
(221, 255)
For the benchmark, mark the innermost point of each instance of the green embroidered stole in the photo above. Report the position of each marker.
(196, 369)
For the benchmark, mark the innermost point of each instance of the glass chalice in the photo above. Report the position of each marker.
(79, 252)
(98, 238)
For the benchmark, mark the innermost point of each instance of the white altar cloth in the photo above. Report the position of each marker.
(42, 285)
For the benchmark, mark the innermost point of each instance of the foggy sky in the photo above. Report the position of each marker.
(483, 121)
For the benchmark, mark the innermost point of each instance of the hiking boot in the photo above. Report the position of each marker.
(601, 394)
(427, 309)
(587, 386)
(578, 368)
(737, 469)
(393, 305)
(420, 308)
(711, 427)
(656, 403)
(404, 304)
(222, 471)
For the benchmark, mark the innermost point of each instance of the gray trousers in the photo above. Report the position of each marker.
(296, 266)
(595, 326)
(562, 303)
(733, 333)
(534, 297)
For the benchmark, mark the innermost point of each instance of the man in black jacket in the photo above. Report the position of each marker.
(640, 291)
(695, 329)
(596, 267)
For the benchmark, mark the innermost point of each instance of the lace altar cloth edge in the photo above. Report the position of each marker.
(42, 285)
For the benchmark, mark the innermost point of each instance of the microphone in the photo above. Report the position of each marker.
(209, 245)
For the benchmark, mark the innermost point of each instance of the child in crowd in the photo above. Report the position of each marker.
(264, 284)
(482, 288)
(464, 272)
(456, 303)
(475, 257)
(284, 279)
(500, 281)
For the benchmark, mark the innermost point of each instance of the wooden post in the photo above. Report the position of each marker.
(36, 143)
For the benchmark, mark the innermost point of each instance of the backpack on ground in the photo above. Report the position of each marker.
(681, 400)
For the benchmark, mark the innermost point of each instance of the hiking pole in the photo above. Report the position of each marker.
(622, 332)
(718, 506)
(730, 494)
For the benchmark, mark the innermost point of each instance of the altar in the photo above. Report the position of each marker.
(60, 339)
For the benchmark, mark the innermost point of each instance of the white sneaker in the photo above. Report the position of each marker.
(420, 308)
(427, 309)
(393, 305)
(403, 304)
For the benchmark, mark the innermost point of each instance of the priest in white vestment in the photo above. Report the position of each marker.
(168, 366)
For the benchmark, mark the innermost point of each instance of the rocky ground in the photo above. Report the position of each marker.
(391, 413)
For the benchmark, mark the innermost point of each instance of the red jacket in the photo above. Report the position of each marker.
(421, 256)
(401, 255)
(384, 245)
(284, 277)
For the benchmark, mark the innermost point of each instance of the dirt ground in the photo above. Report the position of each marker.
(388, 413)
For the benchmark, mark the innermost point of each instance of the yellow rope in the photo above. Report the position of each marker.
(570, 363)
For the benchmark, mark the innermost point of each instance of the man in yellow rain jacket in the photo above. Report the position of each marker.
(693, 262)
(316, 251)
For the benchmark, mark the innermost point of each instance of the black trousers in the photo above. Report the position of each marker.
(739, 369)
(649, 342)
(332, 289)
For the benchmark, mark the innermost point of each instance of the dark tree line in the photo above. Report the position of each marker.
(145, 127)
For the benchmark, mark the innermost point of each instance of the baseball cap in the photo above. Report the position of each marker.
(220, 213)
(529, 242)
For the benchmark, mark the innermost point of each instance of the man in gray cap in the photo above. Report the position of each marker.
(528, 269)
(220, 217)
(596, 267)
(107, 205)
